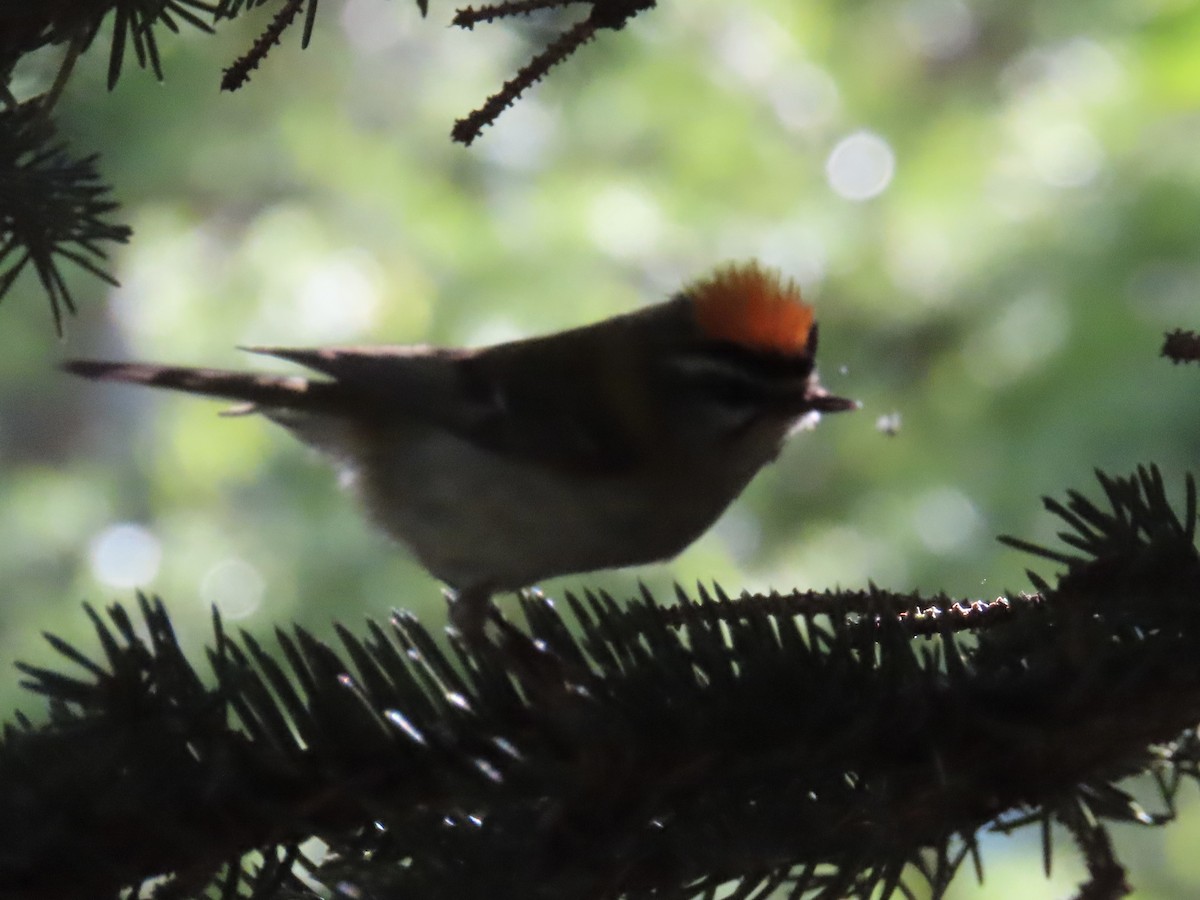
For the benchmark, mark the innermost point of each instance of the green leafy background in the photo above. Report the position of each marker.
(1005, 292)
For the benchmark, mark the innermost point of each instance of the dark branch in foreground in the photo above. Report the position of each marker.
(611, 14)
(822, 745)
(237, 74)
(53, 209)
(1181, 346)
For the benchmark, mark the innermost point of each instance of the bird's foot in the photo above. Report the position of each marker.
(538, 669)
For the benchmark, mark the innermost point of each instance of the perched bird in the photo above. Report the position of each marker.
(608, 445)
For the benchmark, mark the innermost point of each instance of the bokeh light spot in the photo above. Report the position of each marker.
(1066, 155)
(339, 297)
(805, 97)
(125, 555)
(945, 519)
(370, 26)
(234, 587)
(937, 29)
(861, 166)
(1025, 334)
(625, 222)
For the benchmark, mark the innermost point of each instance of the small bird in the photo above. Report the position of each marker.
(612, 444)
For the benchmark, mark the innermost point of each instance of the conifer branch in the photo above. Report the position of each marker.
(821, 744)
(612, 14)
(238, 73)
(26, 236)
(53, 209)
(1181, 346)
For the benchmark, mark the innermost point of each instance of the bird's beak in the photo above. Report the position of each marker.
(820, 401)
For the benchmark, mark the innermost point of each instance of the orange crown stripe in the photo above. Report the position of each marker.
(752, 306)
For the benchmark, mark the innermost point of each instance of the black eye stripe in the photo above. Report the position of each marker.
(767, 362)
(736, 371)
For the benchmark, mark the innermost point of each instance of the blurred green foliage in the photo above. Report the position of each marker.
(993, 255)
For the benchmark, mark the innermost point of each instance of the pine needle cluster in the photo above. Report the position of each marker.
(54, 207)
(814, 745)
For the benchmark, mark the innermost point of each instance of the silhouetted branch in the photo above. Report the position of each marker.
(52, 209)
(235, 76)
(821, 744)
(33, 167)
(604, 14)
(1181, 346)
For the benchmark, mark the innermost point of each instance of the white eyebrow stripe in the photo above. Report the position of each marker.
(700, 364)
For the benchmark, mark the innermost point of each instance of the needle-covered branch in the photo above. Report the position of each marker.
(1181, 346)
(610, 14)
(53, 209)
(49, 204)
(823, 745)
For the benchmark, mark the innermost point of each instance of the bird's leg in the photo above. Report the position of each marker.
(536, 667)
(470, 609)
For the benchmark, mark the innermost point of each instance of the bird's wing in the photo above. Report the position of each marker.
(508, 400)
(397, 383)
(519, 410)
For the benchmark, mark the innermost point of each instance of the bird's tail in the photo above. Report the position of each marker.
(257, 389)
